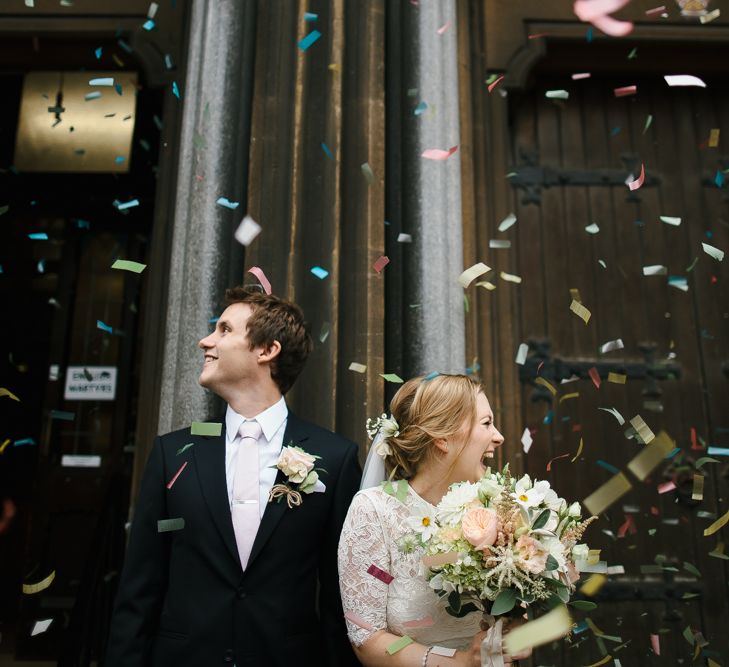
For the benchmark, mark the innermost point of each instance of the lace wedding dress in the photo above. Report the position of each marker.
(375, 523)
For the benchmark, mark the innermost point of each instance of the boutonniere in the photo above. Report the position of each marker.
(302, 476)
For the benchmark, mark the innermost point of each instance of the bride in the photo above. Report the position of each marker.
(440, 432)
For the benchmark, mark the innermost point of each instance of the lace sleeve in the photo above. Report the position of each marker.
(362, 544)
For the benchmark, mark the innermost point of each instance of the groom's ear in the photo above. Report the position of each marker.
(268, 354)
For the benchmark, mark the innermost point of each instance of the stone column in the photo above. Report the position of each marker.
(213, 158)
(434, 312)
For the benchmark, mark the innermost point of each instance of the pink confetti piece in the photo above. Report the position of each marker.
(666, 487)
(424, 622)
(357, 620)
(595, 377)
(537, 35)
(581, 75)
(381, 263)
(655, 10)
(634, 185)
(174, 479)
(656, 644)
(625, 91)
(377, 573)
(495, 83)
(628, 526)
(596, 12)
(444, 27)
(258, 273)
(561, 456)
(438, 154)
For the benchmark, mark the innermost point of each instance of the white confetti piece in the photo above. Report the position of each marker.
(615, 414)
(713, 252)
(557, 95)
(592, 229)
(526, 440)
(510, 277)
(521, 354)
(471, 273)
(507, 222)
(357, 368)
(670, 220)
(655, 270)
(683, 80)
(499, 244)
(404, 238)
(247, 231)
(612, 345)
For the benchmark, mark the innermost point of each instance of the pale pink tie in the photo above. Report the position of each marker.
(245, 508)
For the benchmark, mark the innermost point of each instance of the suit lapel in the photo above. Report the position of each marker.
(209, 454)
(275, 510)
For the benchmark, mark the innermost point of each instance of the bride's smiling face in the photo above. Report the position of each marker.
(468, 451)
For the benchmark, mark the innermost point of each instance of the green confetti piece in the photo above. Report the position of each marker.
(633, 53)
(168, 525)
(399, 645)
(182, 450)
(704, 460)
(693, 264)
(128, 265)
(648, 122)
(206, 428)
(392, 377)
(398, 489)
(691, 568)
(688, 635)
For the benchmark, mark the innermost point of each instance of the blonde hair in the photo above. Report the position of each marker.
(429, 410)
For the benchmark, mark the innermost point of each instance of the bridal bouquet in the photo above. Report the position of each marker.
(494, 544)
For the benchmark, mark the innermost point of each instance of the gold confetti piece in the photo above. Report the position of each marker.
(471, 273)
(717, 525)
(598, 501)
(357, 368)
(440, 559)
(644, 431)
(4, 445)
(575, 294)
(485, 283)
(510, 277)
(708, 18)
(651, 455)
(714, 138)
(8, 393)
(617, 378)
(578, 309)
(579, 451)
(29, 589)
(206, 428)
(718, 551)
(399, 645)
(713, 663)
(698, 490)
(547, 385)
(334, 67)
(604, 661)
(551, 626)
(128, 265)
(593, 585)
(593, 556)
(567, 397)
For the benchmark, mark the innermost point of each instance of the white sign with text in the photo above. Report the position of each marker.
(90, 383)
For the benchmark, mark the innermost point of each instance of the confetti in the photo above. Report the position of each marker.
(521, 354)
(324, 332)
(608, 466)
(697, 492)
(424, 622)
(611, 345)
(717, 525)
(310, 17)
(319, 272)
(617, 378)
(440, 559)
(206, 428)
(666, 487)
(655, 10)
(148, 25)
(442, 650)
(526, 440)
(381, 263)
(486, 284)
(184, 448)
(595, 377)
(169, 525)
(224, 201)
(655, 270)
(625, 91)
(92, 96)
(325, 148)
(104, 327)
(567, 397)
(592, 229)
(175, 90)
(683, 80)
(551, 626)
(598, 501)
(392, 377)
(125, 205)
(404, 238)
(41, 626)
(258, 273)
(399, 644)
(510, 277)
(581, 75)
(669, 220)
(596, 12)
(708, 18)
(508, 221)
(557, 95)
(648, 122)
(549, 464)
(473, 272)
(312, 37)
(357, 620)
(495, 83)
(177, 474)
(634, 185)
(377, 573)
(98, 52)
(444, 27)
(713, 252)
(499, 244)
(578, 309)
(438, 154)
(357, 368)
(714, 138)
(63, 415)
(546, 384)
(420, 109)
(30, 589)
(651, 456)
(128, 265)
(368, 173)
(579, 451)
(247, 231)
(105, 81)
(718, 451)
(644, 431)
(8, 393)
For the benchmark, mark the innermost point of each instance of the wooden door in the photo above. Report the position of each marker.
(570, 160)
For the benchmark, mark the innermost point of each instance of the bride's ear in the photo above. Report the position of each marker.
(441, 445)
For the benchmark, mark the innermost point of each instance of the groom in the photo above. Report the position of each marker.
(236, 584)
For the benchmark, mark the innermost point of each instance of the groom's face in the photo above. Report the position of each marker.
(228, 360)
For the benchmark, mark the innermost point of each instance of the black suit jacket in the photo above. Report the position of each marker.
(184, 599)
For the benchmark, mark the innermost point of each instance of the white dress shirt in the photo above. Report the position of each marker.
(273, 425)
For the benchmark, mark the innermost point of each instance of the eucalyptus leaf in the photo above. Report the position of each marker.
(454, 602)
(552, 564)
(504, 602)
(583, 605)
(541, 520)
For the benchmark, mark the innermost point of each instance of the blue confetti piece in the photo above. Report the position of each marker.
(119, 159)
(615, 131)
(420, 108)
(126, 205)
(104, 327)
(325, 148)
(224, 201)
(157, 121)
(718, 451)
(213, 320)
(309, 40)
(580, 627)
(589, 35)
(63, 415)
(548, 417)
(175, 90)
(319, 272)
(24, 441)
(471, 370)
(83, 224)
(41, 266)
(124, 45)
(719, 179)
(98, 52)
(38, 236)
(673, 453)
(309, 17)
(430, 376)
(607, 466)
(118, 88)
(168, 61)
(148, 24)
(1, 269)
(92, 96)
(709, 234)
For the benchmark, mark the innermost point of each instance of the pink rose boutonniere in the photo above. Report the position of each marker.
(302, 476)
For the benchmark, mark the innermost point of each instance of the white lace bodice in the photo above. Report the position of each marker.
(374, 524)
